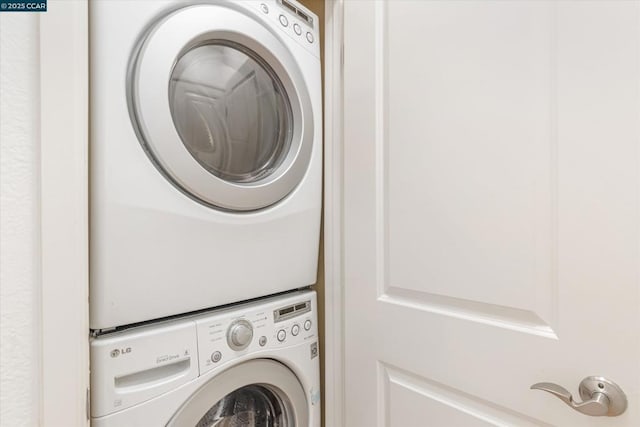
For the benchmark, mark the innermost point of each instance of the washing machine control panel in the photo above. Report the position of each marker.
(239, 334)
(230, 334)
(138, 364)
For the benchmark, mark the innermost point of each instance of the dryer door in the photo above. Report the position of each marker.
(260, 392)
(221, 107)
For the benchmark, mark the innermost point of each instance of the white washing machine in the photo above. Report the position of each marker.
(254, 364)
(206, 121)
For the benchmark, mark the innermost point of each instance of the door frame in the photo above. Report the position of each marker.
(333, 214)
(64, 213)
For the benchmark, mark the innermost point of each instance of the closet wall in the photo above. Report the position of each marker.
(317, 7)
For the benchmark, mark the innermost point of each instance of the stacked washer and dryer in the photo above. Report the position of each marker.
(206, 130)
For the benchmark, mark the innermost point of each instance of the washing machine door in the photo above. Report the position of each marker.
(258, 393)
(221, 106)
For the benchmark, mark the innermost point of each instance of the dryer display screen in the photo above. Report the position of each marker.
(298, 12)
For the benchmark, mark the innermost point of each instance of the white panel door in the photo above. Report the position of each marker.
(491, 209)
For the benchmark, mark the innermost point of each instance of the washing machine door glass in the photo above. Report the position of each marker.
(231, 111)
(250, 406)
(256, 393)
(221, 107)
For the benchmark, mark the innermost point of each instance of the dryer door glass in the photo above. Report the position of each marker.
(250, 406)
(221, 105)
(231, 111)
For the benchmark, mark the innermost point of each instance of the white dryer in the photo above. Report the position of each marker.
(251, 365)
(206, 121)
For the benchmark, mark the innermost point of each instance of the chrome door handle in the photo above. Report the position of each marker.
(601, 397)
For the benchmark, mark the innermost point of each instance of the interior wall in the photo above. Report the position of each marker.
(20, 284)
(317, 7)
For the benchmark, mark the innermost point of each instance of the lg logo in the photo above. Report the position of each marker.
(118, 351)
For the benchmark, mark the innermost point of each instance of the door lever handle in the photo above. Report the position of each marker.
(601, 397)
(597, 406)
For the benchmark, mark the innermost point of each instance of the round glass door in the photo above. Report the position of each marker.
(221, 107)
(231, 111)
(250, 406)
(256, 393)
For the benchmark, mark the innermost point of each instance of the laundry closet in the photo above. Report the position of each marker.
(206, 195)
(334, 213)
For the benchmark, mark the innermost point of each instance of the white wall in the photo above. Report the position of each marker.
(44, 352)
(19, 220)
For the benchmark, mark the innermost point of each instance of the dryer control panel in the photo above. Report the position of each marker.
(295, 20)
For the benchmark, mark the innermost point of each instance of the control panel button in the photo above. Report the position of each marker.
(216, 356)
(310, 37)
(284, 21)
(295, 330)
(264, 8)
(281, 335)
(262, 341)
(239, 334)
(297, 29)
(307, 325)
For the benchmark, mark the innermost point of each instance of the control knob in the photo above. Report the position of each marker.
(239, 334)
